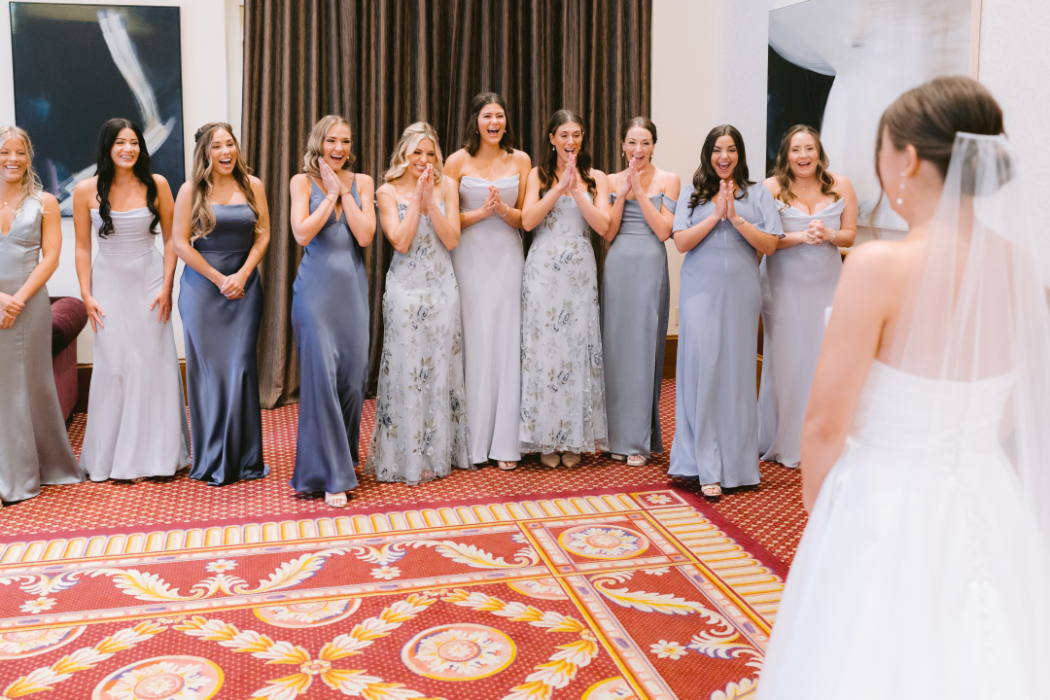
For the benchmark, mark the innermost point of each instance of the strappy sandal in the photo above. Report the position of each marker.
(507, 466)
(637, 461)
(711, 490)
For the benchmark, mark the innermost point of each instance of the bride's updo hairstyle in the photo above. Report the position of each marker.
(929, 116)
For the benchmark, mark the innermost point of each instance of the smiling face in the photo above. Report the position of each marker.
(803, 155)
(567, 140)
(14, 160)
(336, 146)
(638, 146)
(223, 152)
(724, 157)
(492, 123)
(125, 150)
(420, 157)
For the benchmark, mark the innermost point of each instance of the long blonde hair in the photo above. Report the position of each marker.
(406, 144)
(786, 177)
(315, 145)
(31, 185)
(202, 216)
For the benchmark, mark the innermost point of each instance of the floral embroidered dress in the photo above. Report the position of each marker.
(562, 380)
(421, 418)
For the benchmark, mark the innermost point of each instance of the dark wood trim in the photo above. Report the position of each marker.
(84, 385)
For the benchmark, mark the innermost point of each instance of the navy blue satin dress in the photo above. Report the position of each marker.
(330, 322)
(221, 372)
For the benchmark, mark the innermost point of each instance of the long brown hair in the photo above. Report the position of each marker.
(202, 216)
(473, 141)
(785, 177)
(706, 181)
(549, 159)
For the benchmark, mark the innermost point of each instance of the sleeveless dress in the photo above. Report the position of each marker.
(34, 446)
(421, 416)
(562, 375)
(720, 299)
(222, 376)
(798, 284)
(636, 298)
(330, 323)
(136, 423)
(922, 572)
(488, 262)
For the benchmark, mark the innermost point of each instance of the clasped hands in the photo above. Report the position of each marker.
(9, 310)
(633, 181)
(725, 204)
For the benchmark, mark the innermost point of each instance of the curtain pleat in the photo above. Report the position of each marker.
(385, 64)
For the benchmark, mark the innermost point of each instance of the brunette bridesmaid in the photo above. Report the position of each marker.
(488, 262)
(333, 218)
(421, 418)
(562, 381)
(818, 211)
(636, 294)
(34, 447)
(723, 223)
(221, 231)
(136, 425)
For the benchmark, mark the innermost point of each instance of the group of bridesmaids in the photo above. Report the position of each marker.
(487, 354)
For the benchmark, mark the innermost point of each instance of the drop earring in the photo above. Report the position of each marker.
(900, 195)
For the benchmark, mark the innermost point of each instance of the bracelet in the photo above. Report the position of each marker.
(504, 214)
(834, 233)
(332, 198)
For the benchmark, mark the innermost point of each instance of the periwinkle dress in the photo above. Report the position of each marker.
(34, 446)
(136, 422)
(720, 299)
(562, 382)
(421, 415)
(222, 376)
(330, 323)
(488, 262)
(798, 285)
(636, 297)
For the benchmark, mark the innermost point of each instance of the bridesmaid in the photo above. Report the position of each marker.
(488, 262)
(818, 210)
(421, 419)
(333, 217)
(723, 222)
(562, 387)
(35, 448)
(221, 231)
(634, 316)
(136, 412)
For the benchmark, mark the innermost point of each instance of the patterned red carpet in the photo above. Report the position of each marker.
(617, 594)
(770, 513)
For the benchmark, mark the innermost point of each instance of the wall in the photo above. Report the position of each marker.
(206, 96)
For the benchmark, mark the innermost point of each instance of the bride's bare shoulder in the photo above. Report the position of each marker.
(881, 268)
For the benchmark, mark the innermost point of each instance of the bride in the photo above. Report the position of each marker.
(923, 572)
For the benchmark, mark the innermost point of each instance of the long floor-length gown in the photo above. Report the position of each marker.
(222, 376)
(421, 415)
(798, 286)
(562, 374)
(922, 572)
(34, 446)
(636, 298)
(720, 299)
(330, 323)
(136, 423)
(489, 261)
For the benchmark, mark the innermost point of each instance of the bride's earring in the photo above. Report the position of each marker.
(900, 195)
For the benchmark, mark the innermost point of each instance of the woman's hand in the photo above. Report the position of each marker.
(634, 178)
(568, 176)
(9, 310)
(494, 203)
(425, 187)
(162, 302)
(95, 313)
(816, 234)
(625, 184)
(232, 287)
(332, 185)
(721, 205)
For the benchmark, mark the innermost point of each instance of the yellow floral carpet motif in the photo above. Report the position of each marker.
(604, 595)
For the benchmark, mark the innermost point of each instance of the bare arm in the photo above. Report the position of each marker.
(447, 227)
(82, 197)
(847, 235)
(181, 234)
(621, 185)
(536, 209)
(399, 231)
(262, 230)
(305, 226)
(595, 212)
(660, 218)
(51, 243)
(165, 207)
(361, 219)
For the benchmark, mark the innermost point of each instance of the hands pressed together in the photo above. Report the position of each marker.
(494, 203)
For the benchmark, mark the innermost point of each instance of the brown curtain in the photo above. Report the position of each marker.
(385, 64)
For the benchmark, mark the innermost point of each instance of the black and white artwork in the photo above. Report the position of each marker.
(837, 64)
(75, 66)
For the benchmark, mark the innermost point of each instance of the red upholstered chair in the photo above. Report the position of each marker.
(68, 318)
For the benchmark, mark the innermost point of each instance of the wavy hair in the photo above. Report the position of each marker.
(410, 138)
(31, 185)
(549, 159)
(782, 170)
(315, 145)
(202, 216)
(473, 141)
(106, 169)
(706, 181)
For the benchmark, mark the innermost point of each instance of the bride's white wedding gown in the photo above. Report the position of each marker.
(922, 572)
